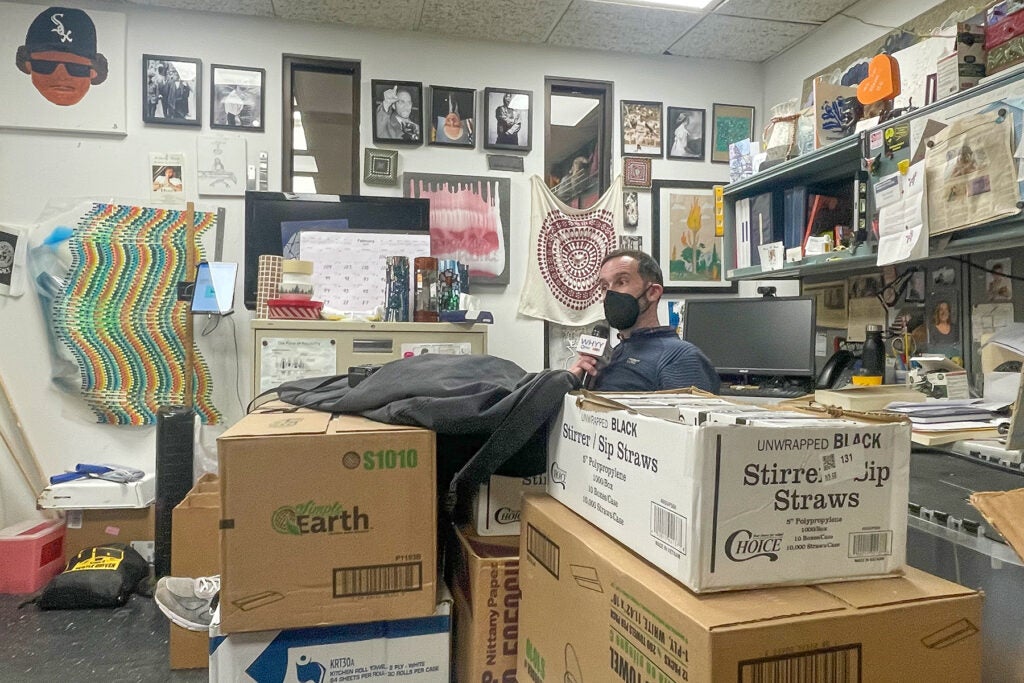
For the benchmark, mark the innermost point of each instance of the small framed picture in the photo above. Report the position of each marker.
(380, 166)
(685, 134)
(729, 123)
(636, 173)
(397, 112)
(641, 128)
(630, 210)
(172, 90)
(236, 97)
(508, 115)
(451, 116)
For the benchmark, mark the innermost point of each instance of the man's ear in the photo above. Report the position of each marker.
(655, 291)
(21, 59)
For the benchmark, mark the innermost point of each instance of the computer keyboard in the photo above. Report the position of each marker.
(762, 391)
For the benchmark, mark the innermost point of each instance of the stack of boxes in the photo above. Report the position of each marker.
(686, 541)
(328, 557)
(483, 566)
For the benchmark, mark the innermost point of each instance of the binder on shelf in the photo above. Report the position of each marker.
(761, 225)
(794, 215)
(743, 233)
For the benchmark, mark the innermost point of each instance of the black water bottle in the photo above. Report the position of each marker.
(873, 354)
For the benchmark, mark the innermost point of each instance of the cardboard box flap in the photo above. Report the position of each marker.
(1004, 510)
(739, 608)
(913, 586)
(491, 546)
(357, 423)
(272, 422)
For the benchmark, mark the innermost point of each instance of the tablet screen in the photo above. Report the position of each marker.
(215, 288)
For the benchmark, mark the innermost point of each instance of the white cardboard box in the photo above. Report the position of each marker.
(417, 649)
(497, 503)
(89, 493)
(725, 506)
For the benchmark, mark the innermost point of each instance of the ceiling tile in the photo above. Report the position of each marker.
(258, 8)
(815, 11)
(520, 21)
(398, 15)
(621, 28)
(746, 40)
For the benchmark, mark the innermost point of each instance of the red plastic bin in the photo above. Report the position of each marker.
(31, 553)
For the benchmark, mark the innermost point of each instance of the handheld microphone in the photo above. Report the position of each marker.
(594, 344)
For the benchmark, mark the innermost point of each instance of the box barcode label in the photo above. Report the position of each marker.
(832, 665)
(870, 543)
(542, 549)
(378, 579)
(668, 526)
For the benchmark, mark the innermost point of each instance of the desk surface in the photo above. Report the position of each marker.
(941, 483)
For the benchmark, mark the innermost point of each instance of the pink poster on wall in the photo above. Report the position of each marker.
(469, 221)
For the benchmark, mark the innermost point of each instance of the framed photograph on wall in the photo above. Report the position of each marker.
(683, 239)
(641, 128)
(236, 97)
(172, 90)
(451, 116)
(685, 133)
(397, 112)
(507, 114)
(729, 123)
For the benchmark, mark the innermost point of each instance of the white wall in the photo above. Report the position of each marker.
(38, 167)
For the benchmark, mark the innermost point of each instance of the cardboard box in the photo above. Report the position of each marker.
(325, 520)
(496, 503)
(98, 493)
(725, 506)
(416, 649)
(485, 585)
(195, 551)
(132, 526)
(593, 611)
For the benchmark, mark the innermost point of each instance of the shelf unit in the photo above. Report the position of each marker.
(844, 160)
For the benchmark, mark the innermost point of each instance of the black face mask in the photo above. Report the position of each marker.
(621, 310)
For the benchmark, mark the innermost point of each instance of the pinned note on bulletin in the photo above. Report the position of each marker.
(902, 215)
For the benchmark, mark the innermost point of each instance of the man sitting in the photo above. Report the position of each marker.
(650, 356)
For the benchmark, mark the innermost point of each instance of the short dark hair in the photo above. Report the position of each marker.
(648, 268)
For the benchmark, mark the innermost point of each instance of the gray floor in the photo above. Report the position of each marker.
(110, 645)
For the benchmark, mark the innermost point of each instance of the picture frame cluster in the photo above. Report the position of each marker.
(172, 93)
(407, 113)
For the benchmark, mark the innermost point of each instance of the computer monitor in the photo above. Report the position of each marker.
(214, 290)
(266, 211)
(764, 337)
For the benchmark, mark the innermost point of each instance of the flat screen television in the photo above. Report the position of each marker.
(265, 211)
(764, 337)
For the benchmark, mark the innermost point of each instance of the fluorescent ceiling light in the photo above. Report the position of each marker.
(568, 111)
(676, 4)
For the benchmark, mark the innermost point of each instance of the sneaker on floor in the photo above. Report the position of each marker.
(188, 602)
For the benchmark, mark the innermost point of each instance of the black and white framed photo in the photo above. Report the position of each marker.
(686, 129)
(172, 90)
(236, 97)
(451, 116)
(641, 128)
(397, 112)
(507, 113)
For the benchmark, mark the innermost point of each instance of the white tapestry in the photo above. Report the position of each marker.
(567, 246)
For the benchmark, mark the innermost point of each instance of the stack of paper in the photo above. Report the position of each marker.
(945, 421)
